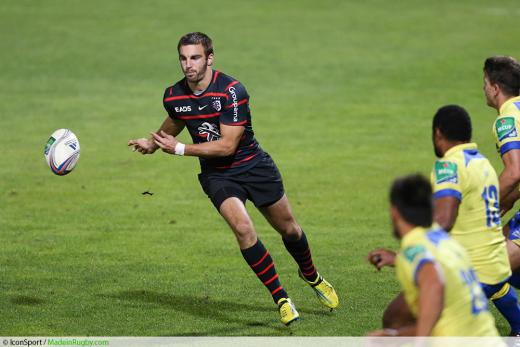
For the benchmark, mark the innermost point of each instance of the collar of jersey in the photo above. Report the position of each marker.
(461, 147)
(506, 105)
(411, 234)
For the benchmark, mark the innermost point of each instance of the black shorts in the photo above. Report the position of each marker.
(262, 184)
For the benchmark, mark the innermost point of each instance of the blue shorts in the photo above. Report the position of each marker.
(491, 289)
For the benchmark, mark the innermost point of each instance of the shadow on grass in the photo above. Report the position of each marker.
(223, 311)
(26, 300)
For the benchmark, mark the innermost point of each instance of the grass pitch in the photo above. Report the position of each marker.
(342, 97)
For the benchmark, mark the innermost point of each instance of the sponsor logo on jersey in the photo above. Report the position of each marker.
(183, 109)
(217, 105)
(445, 172)
(411, 252)
(505, 128)
(202, 107)
(233, 93)
(209, 131)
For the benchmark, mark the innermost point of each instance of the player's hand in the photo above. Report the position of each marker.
(165, 141)
(381, 257)
(143, 146)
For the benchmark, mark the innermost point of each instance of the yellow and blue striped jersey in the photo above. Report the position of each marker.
(507, 126)
(465, 311)
(468, 176)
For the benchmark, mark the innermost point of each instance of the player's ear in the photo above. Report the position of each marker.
(210, 59)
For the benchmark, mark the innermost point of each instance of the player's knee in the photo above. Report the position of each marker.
(244, 230)
(389, 321)
(291, 231)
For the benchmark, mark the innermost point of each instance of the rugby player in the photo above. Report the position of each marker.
(214, 108)
(466, 205)
(439, 284)
(502, 89)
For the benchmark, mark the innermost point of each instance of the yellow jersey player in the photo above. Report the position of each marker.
(440, 286)
(502, 89)
(466, 202)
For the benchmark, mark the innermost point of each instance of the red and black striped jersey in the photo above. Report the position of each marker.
(225, 101)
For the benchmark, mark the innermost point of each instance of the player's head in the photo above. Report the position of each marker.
(195, 55)
(411, 203)
(501, 77)
(451, 125)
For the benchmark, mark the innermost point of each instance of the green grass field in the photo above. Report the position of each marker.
(342, 96)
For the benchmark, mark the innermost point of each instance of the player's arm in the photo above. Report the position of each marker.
(223, 147)
(510, 177)
(508, 202)
(170, 126)
(431, 298)
(445, 212)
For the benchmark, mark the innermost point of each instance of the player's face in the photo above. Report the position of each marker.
(489, 91)
(194, 62)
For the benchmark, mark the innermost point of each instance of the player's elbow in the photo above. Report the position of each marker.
(227, 148)
(445, 223)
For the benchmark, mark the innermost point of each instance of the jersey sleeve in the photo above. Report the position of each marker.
(414, 258)
(446, 180)
(506, 133)
(167, 107)
(236, 109)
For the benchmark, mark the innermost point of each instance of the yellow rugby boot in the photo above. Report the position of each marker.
(324, 291)
(288, 313)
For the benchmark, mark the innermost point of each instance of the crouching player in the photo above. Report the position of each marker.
(442, 295)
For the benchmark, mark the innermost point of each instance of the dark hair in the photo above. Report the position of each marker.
(195, 39)
(504, 71)
(453, 122)
(412, 196)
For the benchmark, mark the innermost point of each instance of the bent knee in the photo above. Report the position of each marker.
(291, 231)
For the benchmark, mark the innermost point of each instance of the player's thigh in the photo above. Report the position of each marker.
(235, 213)
(397, 313)
(280, 216)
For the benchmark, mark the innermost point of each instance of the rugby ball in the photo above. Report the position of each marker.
(62, 151)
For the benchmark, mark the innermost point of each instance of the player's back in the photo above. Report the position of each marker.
(465, 311)
(477, 227)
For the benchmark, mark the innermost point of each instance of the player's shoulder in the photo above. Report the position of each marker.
(511, 108)
(446, 169)
(226, 83)
(176, 89)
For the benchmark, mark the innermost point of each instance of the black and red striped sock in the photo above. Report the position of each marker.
(262, 264)
(301, 253)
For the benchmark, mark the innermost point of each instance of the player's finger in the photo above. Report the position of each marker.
(160, 144)
(159, 138)
(156, 136)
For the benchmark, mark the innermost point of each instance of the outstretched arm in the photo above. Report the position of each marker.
(170, 126)
(381, 257)
(223, 147)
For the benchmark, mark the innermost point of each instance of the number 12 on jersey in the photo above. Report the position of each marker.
(490, 196)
